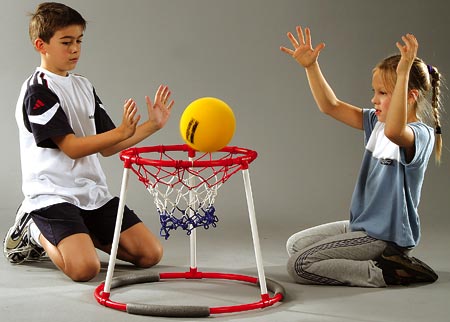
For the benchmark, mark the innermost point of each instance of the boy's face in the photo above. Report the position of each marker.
(61, 54)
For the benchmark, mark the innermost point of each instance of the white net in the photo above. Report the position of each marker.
(184, 191)
(185, 205)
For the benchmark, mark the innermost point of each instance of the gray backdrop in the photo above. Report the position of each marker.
(307, 163)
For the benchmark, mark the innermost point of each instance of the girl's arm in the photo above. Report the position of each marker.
(323, 94)
(399, 115)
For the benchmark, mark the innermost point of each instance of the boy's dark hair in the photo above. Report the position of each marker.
(50, 17)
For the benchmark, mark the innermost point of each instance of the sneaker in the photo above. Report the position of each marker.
(18, 245)
(400, 269)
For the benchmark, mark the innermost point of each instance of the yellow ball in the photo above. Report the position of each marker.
(207, 124)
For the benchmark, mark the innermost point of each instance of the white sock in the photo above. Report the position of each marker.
(35, 233)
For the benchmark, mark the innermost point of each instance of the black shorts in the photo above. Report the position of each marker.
(62, 220)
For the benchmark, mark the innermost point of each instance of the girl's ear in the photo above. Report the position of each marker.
(413, 95)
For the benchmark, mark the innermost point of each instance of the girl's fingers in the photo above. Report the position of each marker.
(318, 48)
(287, 50)
(300, 35)
(294, 41)
(308, 37)
(409, 40)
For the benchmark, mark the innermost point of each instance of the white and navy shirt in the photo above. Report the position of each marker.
(387, 193)
(51, 105)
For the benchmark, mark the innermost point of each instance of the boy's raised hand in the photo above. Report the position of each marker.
(159, 111)
(303, 52)
(129, 118)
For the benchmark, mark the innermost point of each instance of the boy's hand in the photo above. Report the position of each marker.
(303, 52)
(129, 119)
(159, 111)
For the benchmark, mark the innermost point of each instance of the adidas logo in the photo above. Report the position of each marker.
(38, 104)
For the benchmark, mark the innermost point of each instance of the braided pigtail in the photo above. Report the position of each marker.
(436, 104)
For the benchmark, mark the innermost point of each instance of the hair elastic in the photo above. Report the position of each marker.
(438, 130)
(430, 69)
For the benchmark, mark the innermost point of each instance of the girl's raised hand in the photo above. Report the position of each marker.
(408, 50)
(303, 52)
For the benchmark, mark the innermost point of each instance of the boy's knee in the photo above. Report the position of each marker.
(84, 272)
(150, 257)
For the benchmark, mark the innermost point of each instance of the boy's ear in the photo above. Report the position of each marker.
(39, 45)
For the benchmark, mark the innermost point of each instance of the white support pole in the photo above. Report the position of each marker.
(193, 235)
(115, 243)
(254, 228)
(193, 246)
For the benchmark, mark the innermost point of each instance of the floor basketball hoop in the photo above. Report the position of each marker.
(184, 184)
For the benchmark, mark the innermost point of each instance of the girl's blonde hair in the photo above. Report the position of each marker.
(426, 79)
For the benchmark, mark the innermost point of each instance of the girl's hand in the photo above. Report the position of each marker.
(159, 112)
(408, 50)
(129, 119)
(303, 52)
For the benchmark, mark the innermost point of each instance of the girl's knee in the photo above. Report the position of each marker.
(289, 245)
(297, 243)
(297, 269)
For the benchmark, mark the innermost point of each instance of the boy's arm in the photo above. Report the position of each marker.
(124, 136)
(158, 115)
(78, 147)
(324, 96)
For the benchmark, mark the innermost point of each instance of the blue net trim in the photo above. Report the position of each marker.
(189, 220)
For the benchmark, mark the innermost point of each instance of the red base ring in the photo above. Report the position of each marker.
(156, 310)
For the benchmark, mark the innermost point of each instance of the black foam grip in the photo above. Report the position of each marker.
(168, 310)
(134, 279)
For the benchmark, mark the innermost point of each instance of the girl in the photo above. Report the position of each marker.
(371, 248)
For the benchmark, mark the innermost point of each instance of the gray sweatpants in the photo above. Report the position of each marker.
(330, 254)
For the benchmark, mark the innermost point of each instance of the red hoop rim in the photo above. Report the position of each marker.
(240, 156)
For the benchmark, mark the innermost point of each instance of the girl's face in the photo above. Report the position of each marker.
(62, 52)
(381, 97)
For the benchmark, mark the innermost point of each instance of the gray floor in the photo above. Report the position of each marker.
(39, 292)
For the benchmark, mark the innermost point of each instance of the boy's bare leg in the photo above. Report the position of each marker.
(137, 245)
(75, 256)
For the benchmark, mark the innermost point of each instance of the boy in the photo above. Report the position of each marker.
(68, 210)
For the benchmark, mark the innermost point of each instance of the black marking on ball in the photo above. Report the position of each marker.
(190, 131)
